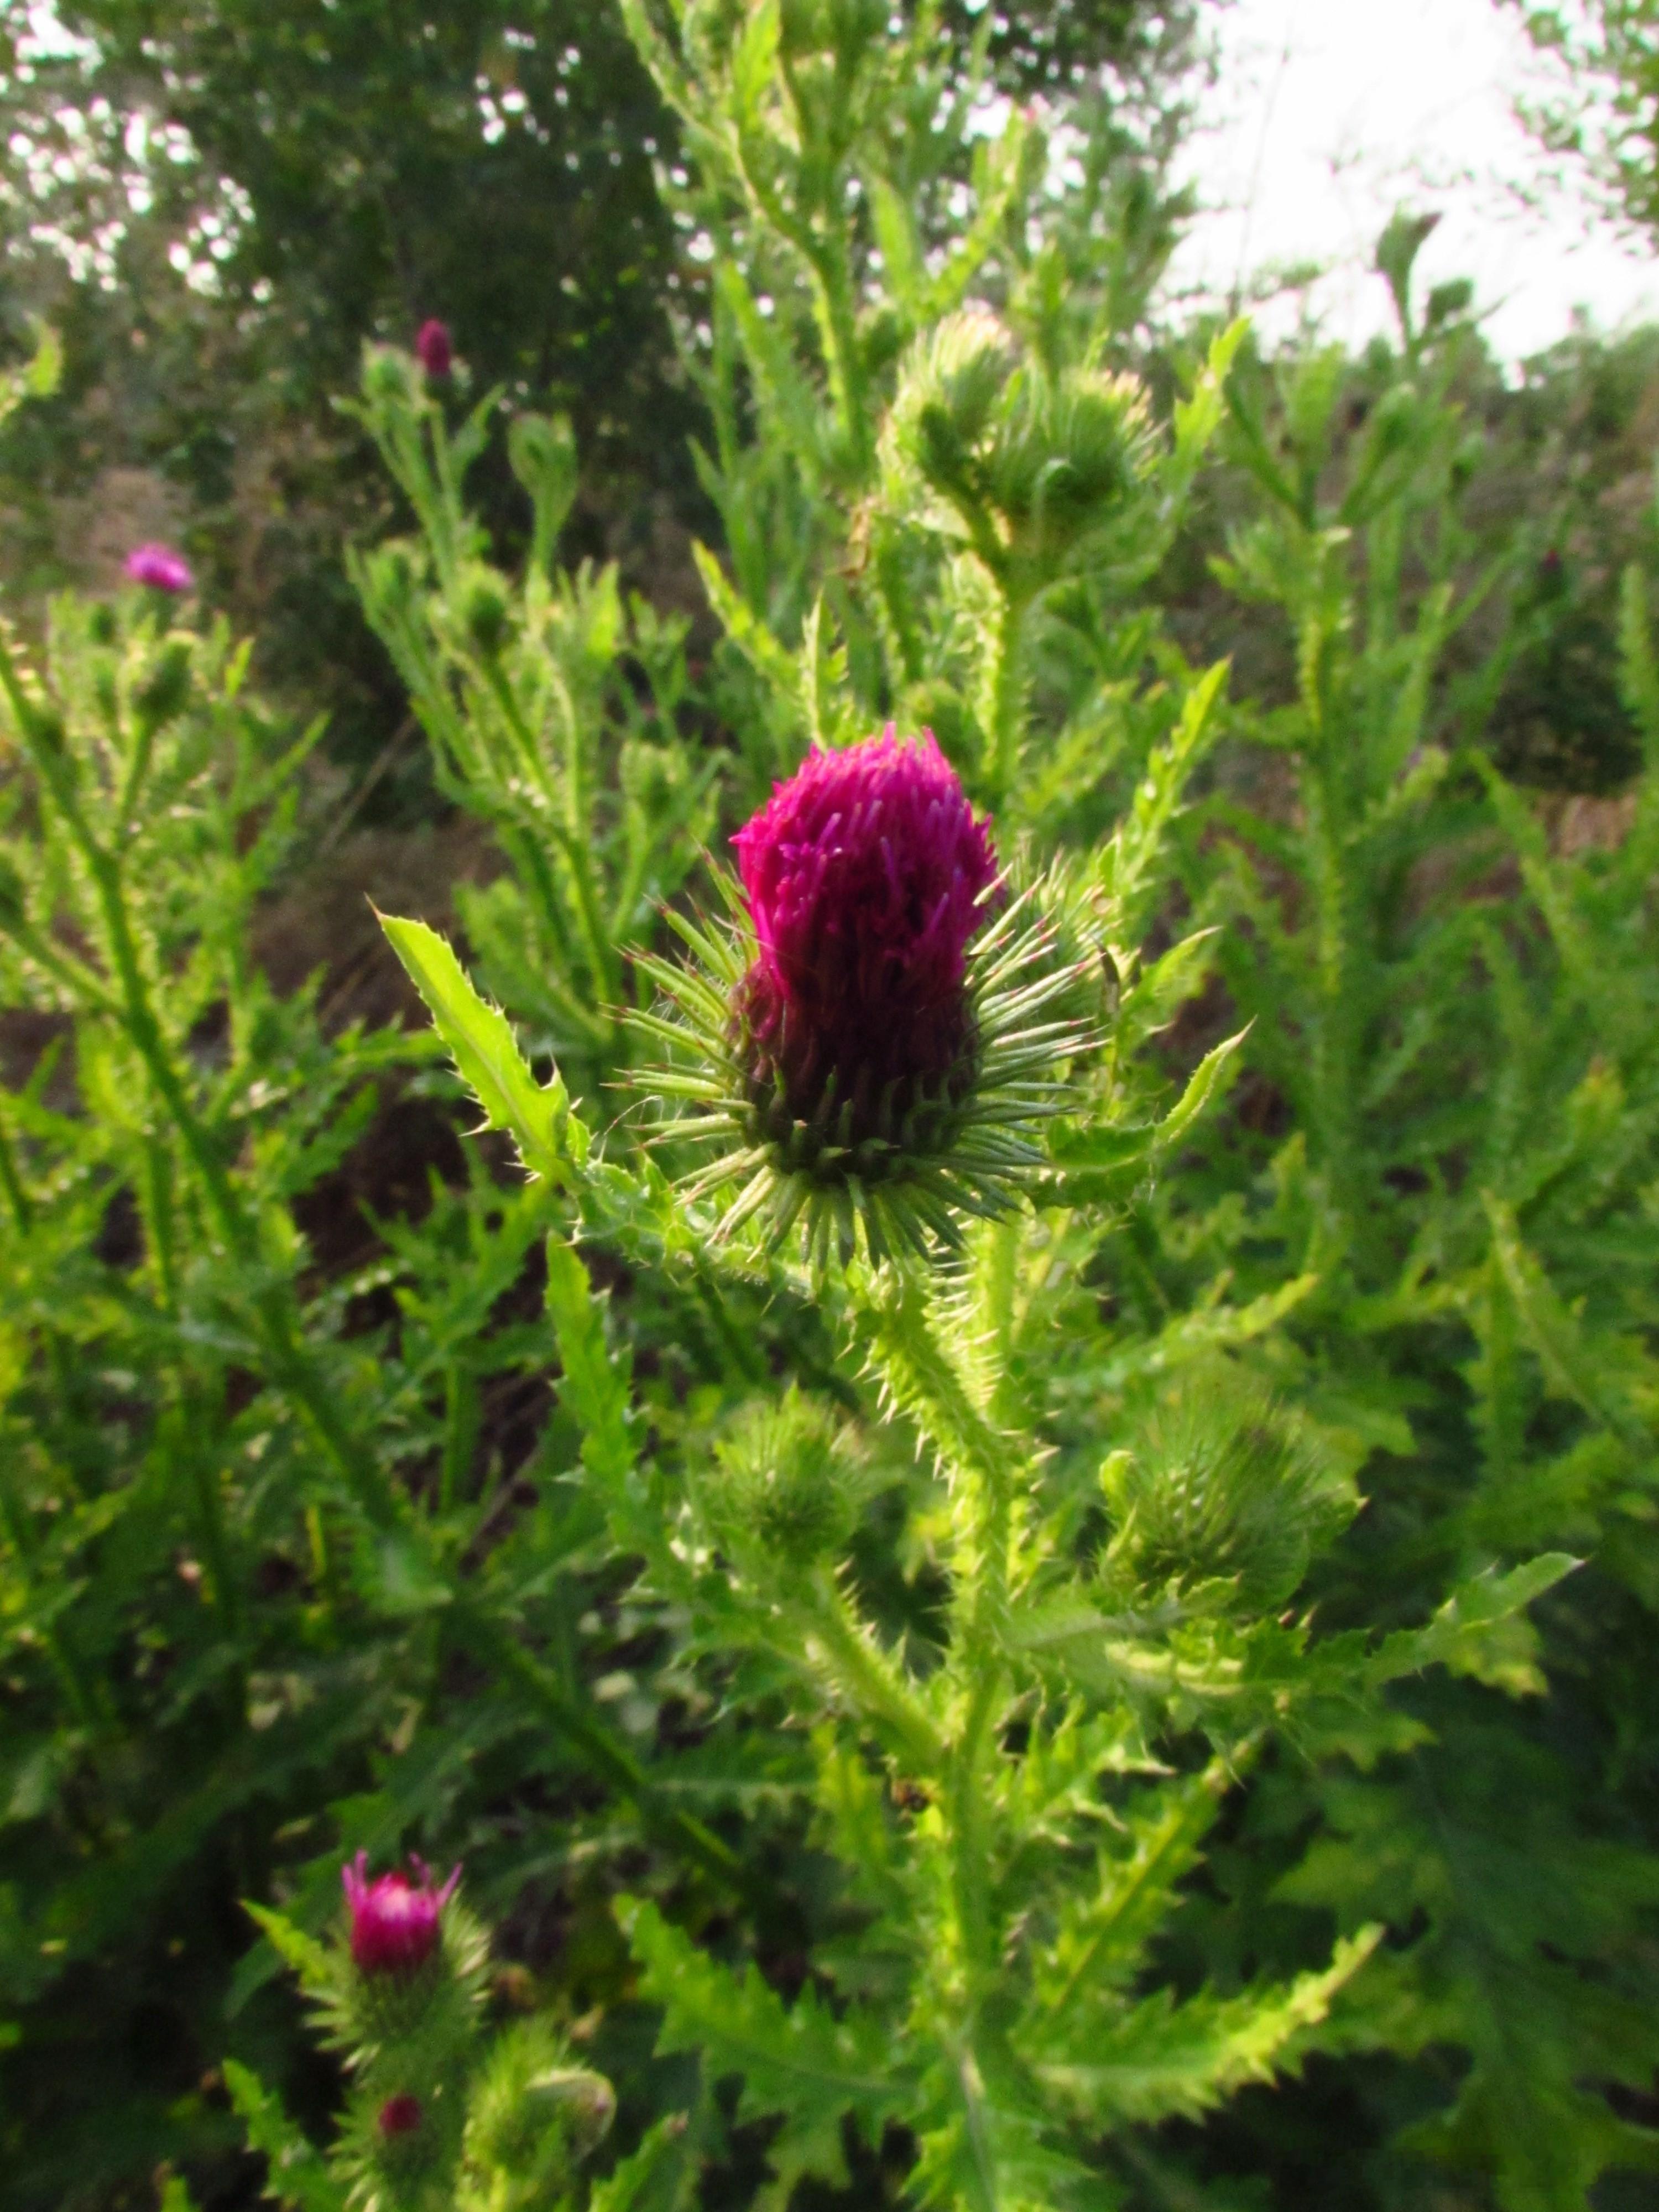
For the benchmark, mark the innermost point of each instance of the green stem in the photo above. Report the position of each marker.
(501, 692)
(460, 1433)
(601, 959)
(191, 1443)
(158, 1175)
(322, 1571)
(1333, 1057)
(1002, 739)
(21, 1205)
(876, 1686)
(138, 768)
(984, 1474)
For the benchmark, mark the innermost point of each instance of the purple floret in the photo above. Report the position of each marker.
(866, 875)
(160, 567)
(394, 1922)
(434, 349)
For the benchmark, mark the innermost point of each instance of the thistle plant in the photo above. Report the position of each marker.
(1103, 1456)
(1011, 1719)
(441, 2113)
(1013, 1788)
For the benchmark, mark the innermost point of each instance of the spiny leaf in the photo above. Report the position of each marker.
(798, 2059)
(1161, 2060)
(552, 1141)
(296, 2175)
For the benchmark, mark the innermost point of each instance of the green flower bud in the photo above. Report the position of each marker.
(531, 2116)
(783, 1485)
(390, 584)
(1007, 454)
(484, 613)
(1222, 1499)
(390, 377)
(541, 450)
(1394, 420)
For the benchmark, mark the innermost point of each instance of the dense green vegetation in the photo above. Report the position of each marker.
(1102, 1660)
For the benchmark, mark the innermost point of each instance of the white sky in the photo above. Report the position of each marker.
(1329, 113)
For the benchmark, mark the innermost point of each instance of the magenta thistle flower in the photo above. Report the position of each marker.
(160, 567)
(394, 1922)
(866, 875)
(399, 2116)
(433, 350)
(871, 1040)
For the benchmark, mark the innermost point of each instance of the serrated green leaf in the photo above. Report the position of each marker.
(297, 2175)
(593, 1386)
(1162, 2060)
(657, 2177)
(1479, 1630)
(1207, 1082)
(552, 1141)
(799, 2060)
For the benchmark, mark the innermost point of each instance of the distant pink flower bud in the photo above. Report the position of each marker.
(394, 1922)
(399, 2116)
(433, 349)
(866, 874)
(160, 567)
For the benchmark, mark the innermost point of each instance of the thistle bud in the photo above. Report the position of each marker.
(1223, 1498)
(399, 2116)
(485, 613)
(389, 379)
(531, 2115)
(394, 1922)
(783, 1486)
(159, 566)
(880, 1047)
(433, 350)
(865, 875)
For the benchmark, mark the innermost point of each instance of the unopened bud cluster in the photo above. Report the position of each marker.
(443, 2116)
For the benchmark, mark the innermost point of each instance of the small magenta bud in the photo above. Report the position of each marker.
(394, 1922)
(433, 349)
(399, 2116)
(160, 567)
(866, 874)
